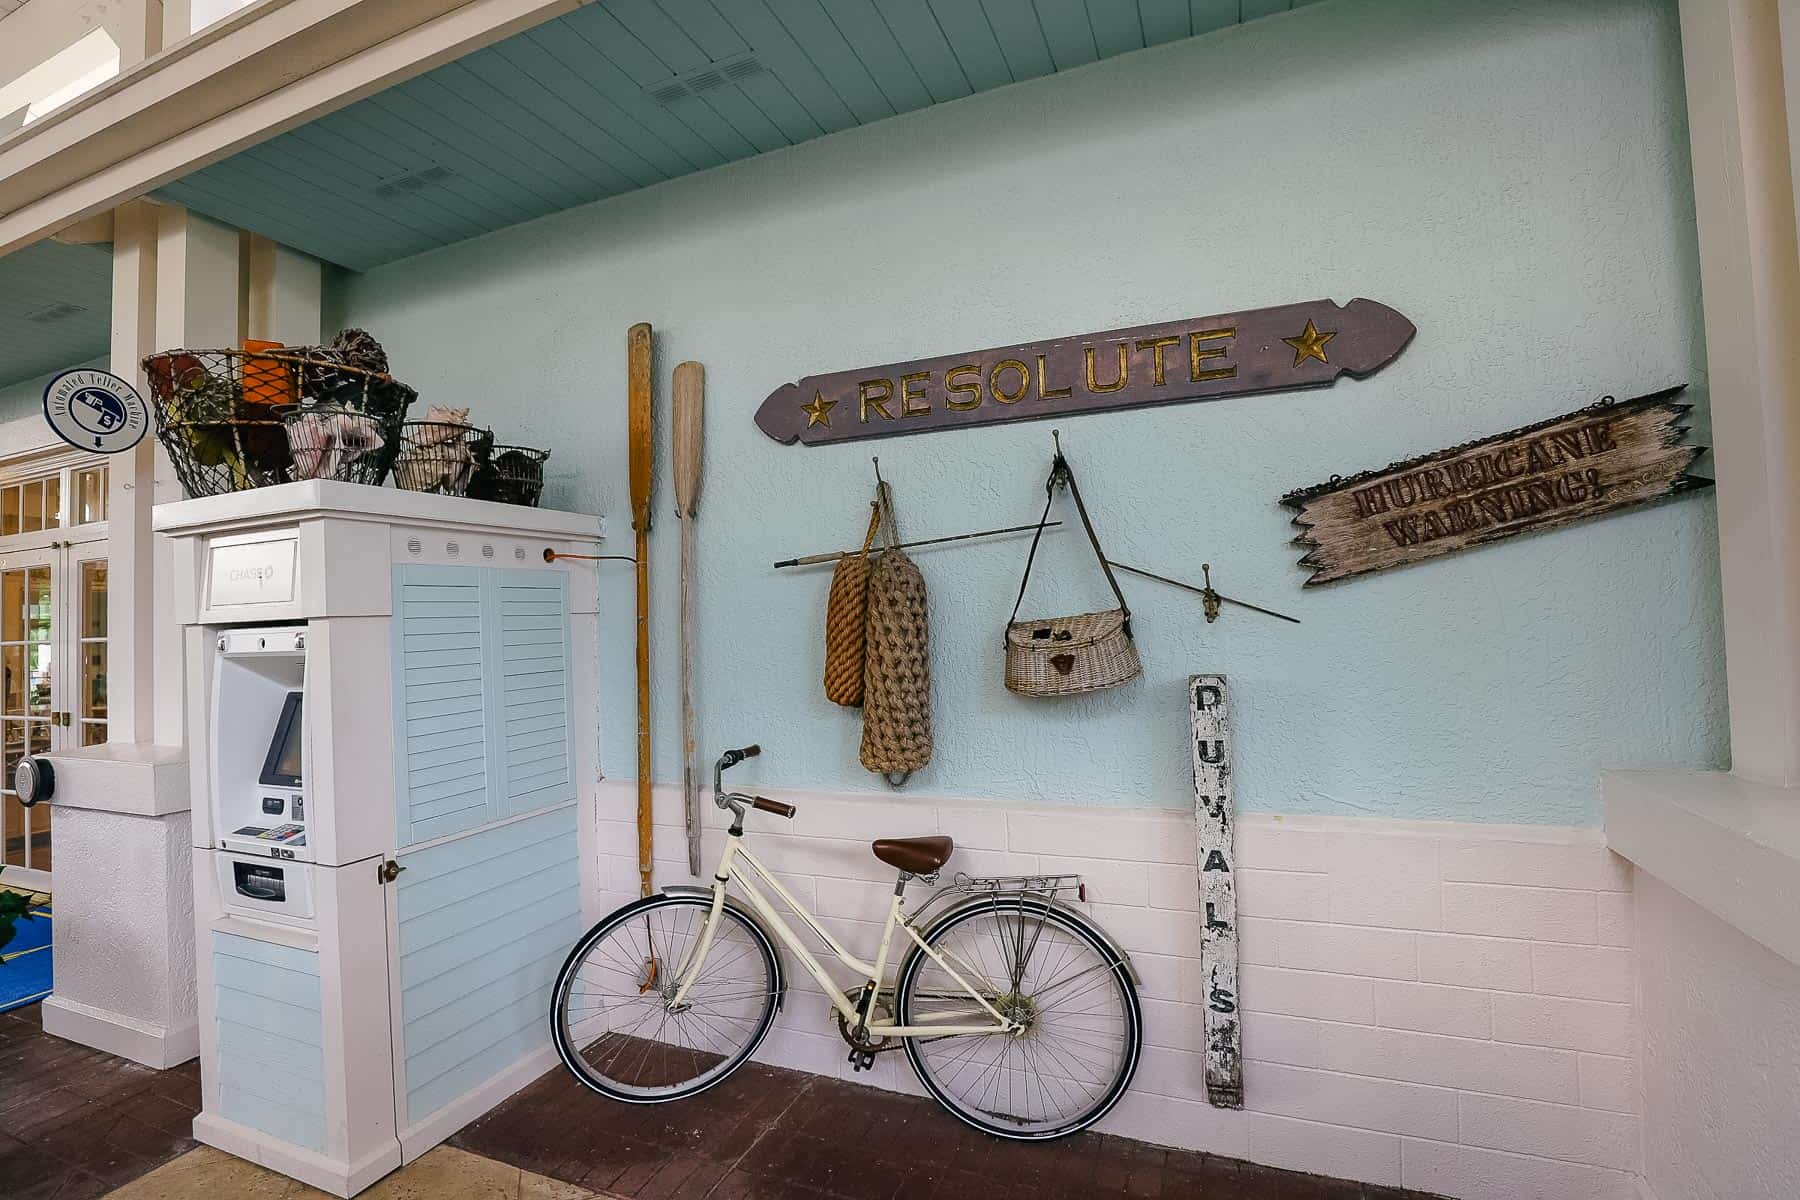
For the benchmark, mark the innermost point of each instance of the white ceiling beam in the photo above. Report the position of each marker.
(257, 74)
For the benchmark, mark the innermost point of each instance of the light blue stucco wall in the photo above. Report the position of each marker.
(1511, 176)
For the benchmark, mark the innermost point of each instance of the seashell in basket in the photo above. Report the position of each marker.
(326, 445)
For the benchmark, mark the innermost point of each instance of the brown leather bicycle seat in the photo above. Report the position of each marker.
(917, 856)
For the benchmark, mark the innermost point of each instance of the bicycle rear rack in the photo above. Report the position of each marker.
(1054, 887)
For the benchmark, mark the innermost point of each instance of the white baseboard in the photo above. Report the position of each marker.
(115, 1033)
(326, 1174)
(416, 1139)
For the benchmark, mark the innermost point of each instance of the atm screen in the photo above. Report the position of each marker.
(282, 766)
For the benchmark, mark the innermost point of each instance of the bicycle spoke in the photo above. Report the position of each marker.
(1076, 1043)
(626, 979)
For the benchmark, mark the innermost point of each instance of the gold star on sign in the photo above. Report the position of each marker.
(819, 411)
(1310, 343)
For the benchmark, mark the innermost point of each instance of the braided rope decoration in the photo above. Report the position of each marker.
(897, 672)
(846, 609)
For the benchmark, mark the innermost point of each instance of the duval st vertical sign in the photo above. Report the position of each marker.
(1277, 349)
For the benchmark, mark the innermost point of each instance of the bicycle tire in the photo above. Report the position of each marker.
(1077, 925)
(572, 1054)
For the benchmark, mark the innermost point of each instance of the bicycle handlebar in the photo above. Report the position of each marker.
(736, 801)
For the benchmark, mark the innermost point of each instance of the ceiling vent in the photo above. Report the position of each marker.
(60, 311)
(704, 79)
(413, 181)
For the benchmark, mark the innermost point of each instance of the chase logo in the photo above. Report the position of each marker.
(95, 410)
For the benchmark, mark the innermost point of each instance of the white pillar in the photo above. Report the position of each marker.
(285, 293)
(124, 929)
(131, 480)
(198, 268)
(1750, 285)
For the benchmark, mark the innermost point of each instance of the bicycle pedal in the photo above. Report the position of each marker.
(861, 1060)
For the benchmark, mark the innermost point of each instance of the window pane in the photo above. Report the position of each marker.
(39, 666)
(12, 697)
(37, 600)
(12, 606)
(9, 510)
(40, 737)
(40, 838)
(93, 599)
(93, 680)
(31, 507)
(90, 495)
(53, 502)
(12, 823)
(93, 733)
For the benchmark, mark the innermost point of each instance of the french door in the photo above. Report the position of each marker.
(52, 680)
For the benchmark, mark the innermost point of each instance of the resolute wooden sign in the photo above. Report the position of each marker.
(1607, 457)
(1230, 354)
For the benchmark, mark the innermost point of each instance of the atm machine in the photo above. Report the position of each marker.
(393, 749)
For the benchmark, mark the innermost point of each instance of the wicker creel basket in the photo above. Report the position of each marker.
(1066, 656)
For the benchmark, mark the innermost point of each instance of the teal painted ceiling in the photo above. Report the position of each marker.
(55, 308)
(622, 94)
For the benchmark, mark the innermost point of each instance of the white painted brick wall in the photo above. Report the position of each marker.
(1439, 1006)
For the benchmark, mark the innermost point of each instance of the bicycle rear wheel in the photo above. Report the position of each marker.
(613, 1015)
(1049, 968)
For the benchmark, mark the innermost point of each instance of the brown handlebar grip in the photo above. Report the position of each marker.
(773, 806)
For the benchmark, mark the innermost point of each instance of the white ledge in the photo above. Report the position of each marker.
(140, 780)
(1730, 846)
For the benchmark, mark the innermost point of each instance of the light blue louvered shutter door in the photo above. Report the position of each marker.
(441, 640)
(530, 669)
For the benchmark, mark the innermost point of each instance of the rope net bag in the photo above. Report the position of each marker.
(846, 613)
(896, 737)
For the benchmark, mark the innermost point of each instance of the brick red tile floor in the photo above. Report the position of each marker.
(76, 1123)
(785, 1135)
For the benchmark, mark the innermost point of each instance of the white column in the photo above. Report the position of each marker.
(286, 291)
(198, 268)
(131, 476)
(124, 936)
(1750, 284)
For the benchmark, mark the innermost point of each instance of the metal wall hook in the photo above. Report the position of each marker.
(876, 459)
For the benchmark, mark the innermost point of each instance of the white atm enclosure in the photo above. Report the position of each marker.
(393, 747)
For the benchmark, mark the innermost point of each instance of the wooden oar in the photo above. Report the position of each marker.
(689, 406)
(637, 352)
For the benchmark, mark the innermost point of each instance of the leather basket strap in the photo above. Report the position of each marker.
(1061, 472)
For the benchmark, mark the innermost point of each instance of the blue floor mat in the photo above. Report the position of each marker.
(25, 969)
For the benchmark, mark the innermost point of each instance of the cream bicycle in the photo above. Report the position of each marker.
(1019, 1014)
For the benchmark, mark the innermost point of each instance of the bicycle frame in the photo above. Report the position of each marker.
(937, 1025)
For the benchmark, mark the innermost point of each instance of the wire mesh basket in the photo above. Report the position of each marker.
(443, 457)
(333, 441)
(322, 376)
(222, 415)
(513, 475)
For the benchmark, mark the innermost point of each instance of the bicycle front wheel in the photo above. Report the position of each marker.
(1051, 970)
(614, 1016)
